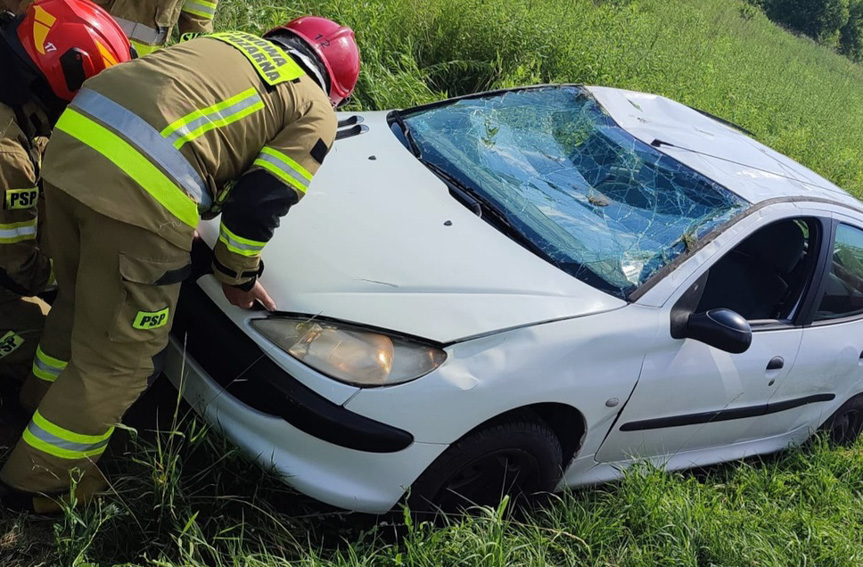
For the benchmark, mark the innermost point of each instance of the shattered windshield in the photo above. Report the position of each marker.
(560, 174)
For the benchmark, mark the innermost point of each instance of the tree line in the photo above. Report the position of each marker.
(835, 23)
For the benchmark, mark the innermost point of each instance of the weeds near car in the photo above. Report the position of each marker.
(182, 495)
(217, 509)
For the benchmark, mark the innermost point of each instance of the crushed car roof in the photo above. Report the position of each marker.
(726, 155)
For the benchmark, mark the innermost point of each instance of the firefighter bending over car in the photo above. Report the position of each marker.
(149, 23)
(44, 57)
(230, 122)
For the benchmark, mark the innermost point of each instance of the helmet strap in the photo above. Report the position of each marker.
(304, 56)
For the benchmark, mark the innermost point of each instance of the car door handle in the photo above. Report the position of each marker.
(776, 363)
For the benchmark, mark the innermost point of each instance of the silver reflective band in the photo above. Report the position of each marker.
(19, 232)
(201, 9)
(222, 114)
(232, 242)
(273, 160)
(45, 367)
(61, 443)
(147, 141)
(143, 33)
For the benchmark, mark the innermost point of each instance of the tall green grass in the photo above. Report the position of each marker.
(183, 496)
(722, 56)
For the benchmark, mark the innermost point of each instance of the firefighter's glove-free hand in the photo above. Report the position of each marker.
(246, 299)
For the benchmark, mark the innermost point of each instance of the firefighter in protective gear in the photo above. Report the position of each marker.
(44, 57)
(149, 23)
(227, 121)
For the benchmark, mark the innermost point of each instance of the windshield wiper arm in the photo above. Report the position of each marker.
(464, 194)
(486, 209)
(407, 133)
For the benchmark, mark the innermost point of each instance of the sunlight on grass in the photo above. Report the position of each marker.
(183, 496)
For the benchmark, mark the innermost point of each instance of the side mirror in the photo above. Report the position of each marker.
(720, 328)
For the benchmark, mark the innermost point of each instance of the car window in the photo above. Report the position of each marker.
(560, 173)
(843, 295)
(764, 277)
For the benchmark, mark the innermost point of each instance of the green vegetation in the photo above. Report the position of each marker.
(834, 23)
(723, 57)
(184, 497)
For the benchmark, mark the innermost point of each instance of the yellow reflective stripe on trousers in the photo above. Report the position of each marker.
(240, 245)
(138, 32)
(284, 168)
(18, 232)
(50, 438)
(133, 163)
(200, 8)
(199, 122)
(46, 367)
(143, 48)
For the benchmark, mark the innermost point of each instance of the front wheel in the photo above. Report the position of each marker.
(521, 458)
(845, 425)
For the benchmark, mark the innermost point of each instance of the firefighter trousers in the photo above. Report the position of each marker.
(121, 283)
(21, 323)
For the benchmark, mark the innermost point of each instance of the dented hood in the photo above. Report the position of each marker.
(378, 240)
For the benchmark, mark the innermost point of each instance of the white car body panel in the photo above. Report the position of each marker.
(578, 362)
(456, 280)
(393, 249)
(355, 480)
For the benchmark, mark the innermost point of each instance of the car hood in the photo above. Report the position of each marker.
(378, 240)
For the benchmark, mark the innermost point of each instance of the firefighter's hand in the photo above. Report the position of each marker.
(246, 299)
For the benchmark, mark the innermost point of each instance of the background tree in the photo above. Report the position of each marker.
(821, 20)
(851, 34)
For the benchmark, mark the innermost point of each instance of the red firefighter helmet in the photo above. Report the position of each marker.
(336, 47)
(69, 41)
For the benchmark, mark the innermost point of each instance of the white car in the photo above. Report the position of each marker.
(528, 289)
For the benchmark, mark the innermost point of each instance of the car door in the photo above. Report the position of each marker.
(829, 366)
(692, 396)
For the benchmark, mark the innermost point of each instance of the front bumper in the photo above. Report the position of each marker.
(320, 448)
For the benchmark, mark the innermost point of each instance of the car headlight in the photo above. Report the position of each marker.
(351, 354)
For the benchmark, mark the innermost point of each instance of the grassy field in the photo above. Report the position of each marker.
(183, 497)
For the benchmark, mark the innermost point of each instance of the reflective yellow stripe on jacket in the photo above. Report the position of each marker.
(285, 168)
(54, 440)
(240, 245)
(199, 122)
(133, 145)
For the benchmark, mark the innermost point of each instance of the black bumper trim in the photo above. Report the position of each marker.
(234, 361)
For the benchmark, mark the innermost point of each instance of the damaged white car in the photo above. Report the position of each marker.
(528, 289)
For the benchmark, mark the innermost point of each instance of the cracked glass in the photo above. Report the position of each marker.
(549, 167)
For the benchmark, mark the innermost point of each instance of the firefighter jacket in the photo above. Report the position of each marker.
(24, 269)
(148, 23)
(228, 121)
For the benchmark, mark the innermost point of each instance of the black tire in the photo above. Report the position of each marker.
(521, 458)
(844, 426)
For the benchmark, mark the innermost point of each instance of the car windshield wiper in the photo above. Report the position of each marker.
(486, 209)
(407, 133)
